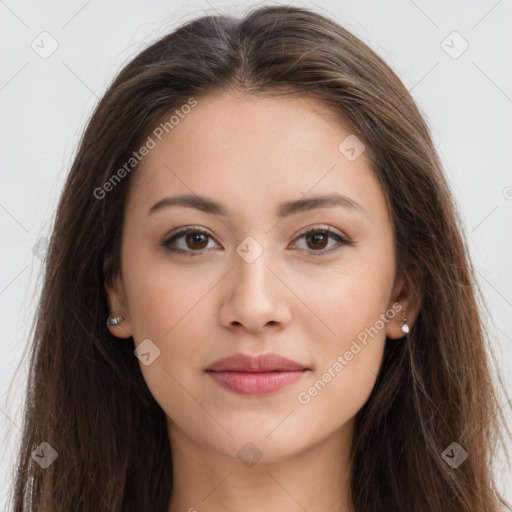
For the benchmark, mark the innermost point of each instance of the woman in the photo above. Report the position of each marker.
(202, 345)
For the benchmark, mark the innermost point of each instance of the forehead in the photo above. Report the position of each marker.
(252, 151)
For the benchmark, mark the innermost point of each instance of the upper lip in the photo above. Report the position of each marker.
(259, 363)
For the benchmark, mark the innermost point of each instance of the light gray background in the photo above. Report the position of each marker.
(45, 103)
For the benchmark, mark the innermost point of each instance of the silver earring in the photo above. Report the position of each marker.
(405, 327)
(114, 320)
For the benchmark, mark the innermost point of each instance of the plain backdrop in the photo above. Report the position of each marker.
(453, 56)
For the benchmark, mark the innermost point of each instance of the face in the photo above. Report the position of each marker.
(202, 283)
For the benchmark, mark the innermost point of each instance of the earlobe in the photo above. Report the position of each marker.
(118, 321)
(406, 304)
(116, 327)
(400, 324)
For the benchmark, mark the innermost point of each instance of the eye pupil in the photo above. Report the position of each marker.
(316, 237)
(196, 238)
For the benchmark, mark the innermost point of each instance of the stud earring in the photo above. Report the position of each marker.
(113, 321)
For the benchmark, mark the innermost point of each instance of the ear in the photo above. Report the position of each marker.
(407, 294)
(118, 305)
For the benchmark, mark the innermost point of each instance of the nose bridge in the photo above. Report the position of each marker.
(254, 298)
(251, 272)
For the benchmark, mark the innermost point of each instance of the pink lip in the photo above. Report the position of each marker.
(249, 375)
(261, 363)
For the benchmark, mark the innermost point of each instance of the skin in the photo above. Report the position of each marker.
(250, 154)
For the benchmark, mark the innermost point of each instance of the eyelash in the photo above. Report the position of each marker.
(166, 243)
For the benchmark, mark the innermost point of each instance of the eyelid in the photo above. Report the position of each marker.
(322, 227)
(186, 229)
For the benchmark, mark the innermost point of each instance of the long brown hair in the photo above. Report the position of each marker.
(86, 396)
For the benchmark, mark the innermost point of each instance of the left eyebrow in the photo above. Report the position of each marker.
(284, 209)
(324, 201)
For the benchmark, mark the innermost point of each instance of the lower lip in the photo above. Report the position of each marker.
(256, 383)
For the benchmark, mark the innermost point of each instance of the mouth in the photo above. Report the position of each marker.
(248, 375)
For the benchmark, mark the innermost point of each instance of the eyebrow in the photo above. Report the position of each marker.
(284, 209)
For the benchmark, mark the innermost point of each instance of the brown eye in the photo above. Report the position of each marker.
(188, 242)
(317, 240)
(196, 240)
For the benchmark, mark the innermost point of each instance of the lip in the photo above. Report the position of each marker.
(268, 362)
(255, 375)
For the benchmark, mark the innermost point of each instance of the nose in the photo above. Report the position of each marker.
(255, 295)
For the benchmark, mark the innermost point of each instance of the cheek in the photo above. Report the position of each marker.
(347, 300)
(166, 311)
(352, 302)
(347, 360)
(163, 300)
